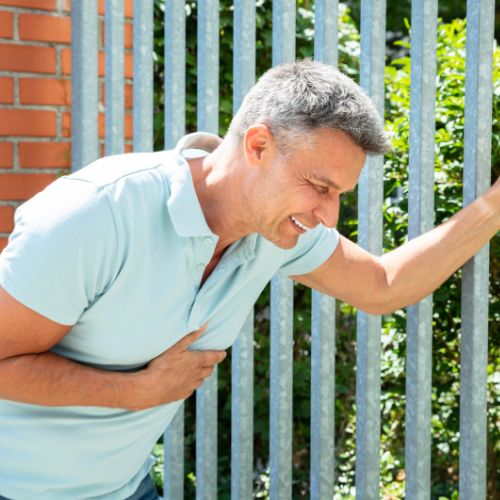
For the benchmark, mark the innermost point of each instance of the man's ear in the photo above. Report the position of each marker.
(258, 144)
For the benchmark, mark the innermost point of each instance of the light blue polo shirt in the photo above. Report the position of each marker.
(118, 250)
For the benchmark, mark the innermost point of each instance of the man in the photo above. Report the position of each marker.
(110, 269)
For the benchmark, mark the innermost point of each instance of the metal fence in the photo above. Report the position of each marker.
(480, 16)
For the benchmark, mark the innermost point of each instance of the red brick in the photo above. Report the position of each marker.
(45, 91)
(3, 243)
(23, 186)
(6, 90)
(6, 152)
(129, 124)
(45, 154)
(128, 95)
(6, 25)
(15, 122)
(66, 124)
(34, 4)
(6, 219)
(45, 28)
(27, 58)
(66, 63)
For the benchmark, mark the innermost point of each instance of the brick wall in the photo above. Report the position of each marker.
(35, 97)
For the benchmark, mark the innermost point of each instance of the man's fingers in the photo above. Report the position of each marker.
(210, 358)
(192, 337)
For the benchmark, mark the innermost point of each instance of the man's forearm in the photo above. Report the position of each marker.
(417, 268)
(51, 380)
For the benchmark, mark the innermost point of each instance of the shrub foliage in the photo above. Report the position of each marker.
(446, 311)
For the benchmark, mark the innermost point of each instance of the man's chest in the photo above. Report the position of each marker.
(143, 314)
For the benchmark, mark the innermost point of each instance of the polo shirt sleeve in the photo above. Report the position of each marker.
(62, 253)
(312, 250)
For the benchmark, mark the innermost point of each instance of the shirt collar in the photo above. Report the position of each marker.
(183, 204)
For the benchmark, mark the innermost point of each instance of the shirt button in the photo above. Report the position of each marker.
(208, 241)
(200, 267)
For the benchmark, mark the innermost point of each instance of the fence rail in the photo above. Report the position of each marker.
(480, 15)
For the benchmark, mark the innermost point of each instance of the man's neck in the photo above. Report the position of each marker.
(218, 186)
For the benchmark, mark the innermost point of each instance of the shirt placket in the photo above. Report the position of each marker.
(229, 262)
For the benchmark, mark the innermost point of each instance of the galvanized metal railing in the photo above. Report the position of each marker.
(480, 15)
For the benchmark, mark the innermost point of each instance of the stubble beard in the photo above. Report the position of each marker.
(284, 242)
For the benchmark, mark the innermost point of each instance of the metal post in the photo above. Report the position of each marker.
(323, 310)
(326, 34)
(283, 31)
(175, 71)
(208, 66)
(280, 425)
(173, 460)
(477, 168)
(322, 396)
(175, 123)
(281, 412)
(115, 113)
(84, 115)
(143, 75)
(242, 413)
(421, 219)
(242, 351)
(208, 121)
(370, 194)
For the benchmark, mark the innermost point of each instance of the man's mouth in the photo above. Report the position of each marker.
(298, 223)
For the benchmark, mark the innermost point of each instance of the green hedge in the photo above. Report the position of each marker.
(446, 319)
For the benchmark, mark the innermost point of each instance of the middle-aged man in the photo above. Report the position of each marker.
(123, 283)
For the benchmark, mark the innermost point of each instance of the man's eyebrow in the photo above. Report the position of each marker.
(328, 182)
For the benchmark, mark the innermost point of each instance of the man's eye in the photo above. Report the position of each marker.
(321, 189)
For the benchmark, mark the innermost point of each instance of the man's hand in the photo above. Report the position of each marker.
(31, 374)
(176, 373)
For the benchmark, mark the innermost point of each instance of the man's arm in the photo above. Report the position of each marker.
(30, 374)
(380, 285)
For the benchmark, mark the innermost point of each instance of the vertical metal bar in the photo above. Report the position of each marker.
(421, 219)
(206, 439)
(323, 310)
(326, 34)
(115, 113)
(370, 195)
(143, 75)
(244, 49)
(280, 426)
(242, 351)
(175, 71)
(84, 116)
(242, 413)
(175, 125)
(477, 168)
(283, 31)
(208, 66)
(322, 396)
(208, 121)
(281, 392)
(173, 461)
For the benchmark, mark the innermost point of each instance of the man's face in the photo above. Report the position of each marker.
(300, 191)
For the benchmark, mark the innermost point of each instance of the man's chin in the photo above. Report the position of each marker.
(284, 244)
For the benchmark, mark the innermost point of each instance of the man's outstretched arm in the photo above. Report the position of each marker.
(31, 374)
(404, 276)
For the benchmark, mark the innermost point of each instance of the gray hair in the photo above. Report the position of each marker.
(296, 98)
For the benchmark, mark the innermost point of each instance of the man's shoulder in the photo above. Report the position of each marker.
(111, 170)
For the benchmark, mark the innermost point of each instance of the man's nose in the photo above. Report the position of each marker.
(328, 212)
